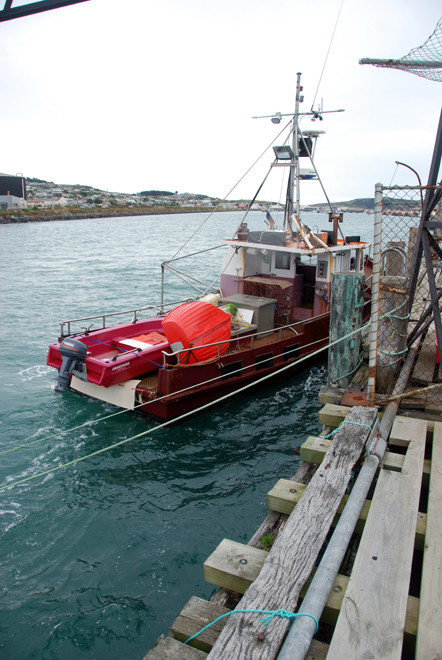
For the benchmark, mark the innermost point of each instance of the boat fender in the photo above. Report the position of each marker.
(73, 353)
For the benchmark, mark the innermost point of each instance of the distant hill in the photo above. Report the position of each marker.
(360, 204)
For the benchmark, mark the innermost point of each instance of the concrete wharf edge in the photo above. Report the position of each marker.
(390, 635)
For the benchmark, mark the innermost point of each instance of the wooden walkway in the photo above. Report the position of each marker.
(386, 601)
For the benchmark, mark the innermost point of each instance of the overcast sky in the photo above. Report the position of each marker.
(160, 94)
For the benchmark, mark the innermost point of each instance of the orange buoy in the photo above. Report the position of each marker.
(197, 324)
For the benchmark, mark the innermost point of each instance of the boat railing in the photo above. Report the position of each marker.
(182, 355)
(104, 317)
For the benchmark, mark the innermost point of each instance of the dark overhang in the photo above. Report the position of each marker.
(9, 12)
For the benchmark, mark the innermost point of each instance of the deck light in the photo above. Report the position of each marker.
(283, 153)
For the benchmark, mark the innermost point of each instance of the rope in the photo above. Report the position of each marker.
(346, 421)
(164, 424)
(124, 411)
(284, 614)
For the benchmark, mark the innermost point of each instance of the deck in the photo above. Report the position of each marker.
(386, 601)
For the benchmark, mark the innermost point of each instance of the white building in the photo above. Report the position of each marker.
(8, 202)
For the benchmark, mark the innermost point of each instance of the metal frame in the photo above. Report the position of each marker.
(9, 12)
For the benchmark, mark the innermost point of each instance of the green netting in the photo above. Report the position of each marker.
(424, 61)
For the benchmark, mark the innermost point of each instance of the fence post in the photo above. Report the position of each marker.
(374, 324)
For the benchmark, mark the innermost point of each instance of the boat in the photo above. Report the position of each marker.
(271, 309)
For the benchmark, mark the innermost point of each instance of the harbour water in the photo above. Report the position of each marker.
(99, 557)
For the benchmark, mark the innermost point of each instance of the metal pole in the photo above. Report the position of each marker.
(300, 635)
(375, 292)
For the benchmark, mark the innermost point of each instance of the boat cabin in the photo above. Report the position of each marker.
(293, 269)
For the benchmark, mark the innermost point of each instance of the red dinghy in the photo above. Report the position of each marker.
(196, 324)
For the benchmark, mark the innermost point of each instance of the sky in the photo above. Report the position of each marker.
(160, 94)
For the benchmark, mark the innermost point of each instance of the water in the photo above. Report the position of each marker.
(98, 558)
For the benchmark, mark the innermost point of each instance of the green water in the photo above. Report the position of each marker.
(97, 559)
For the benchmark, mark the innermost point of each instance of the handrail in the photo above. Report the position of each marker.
(252, 336)
(135, 313)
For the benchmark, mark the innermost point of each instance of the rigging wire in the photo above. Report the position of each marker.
(227, 195)
(177, 419)
(328, 53)
(172, 421)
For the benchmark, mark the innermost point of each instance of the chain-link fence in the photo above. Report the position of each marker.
(404, 307)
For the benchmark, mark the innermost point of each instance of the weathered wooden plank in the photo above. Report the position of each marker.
(294, 552)
(372, 618)
(167, 648)
(234, 565)
(195, 615)
(285, 495)
(429, 636)
(403, 430)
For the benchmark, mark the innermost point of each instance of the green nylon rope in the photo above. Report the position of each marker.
(284, 614)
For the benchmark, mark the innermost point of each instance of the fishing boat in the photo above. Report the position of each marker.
(270, 310)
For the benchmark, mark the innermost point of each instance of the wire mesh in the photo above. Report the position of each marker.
(424, 61)
(400, 217)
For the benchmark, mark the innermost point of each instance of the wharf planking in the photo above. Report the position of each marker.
(429, 638)
(294, 551)
(372, 616)
(391, 521)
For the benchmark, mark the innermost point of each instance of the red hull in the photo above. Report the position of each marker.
(120, 353)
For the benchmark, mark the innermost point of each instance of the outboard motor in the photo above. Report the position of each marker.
(73, 355)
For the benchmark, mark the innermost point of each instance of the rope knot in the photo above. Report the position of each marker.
(284, 614)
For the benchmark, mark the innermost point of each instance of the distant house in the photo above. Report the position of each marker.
(49, 203)
(8, 202)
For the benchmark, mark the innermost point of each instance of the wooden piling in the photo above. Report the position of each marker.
(347, 302)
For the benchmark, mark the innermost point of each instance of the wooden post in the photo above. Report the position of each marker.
(347, 302)
(392, 340)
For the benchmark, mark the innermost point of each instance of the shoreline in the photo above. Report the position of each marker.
(50, 215)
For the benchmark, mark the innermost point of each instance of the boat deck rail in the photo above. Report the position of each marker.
(182, 355)
(135, 312)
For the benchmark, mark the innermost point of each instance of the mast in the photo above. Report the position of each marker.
(293, 204)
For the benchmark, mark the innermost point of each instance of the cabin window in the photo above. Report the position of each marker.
(231, 370)
(263, 361)
(283, 264)
(282, 261)
(291, 351)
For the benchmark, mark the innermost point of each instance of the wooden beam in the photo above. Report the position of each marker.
(195, 615)
(314, 450)
(167, 648)
(295, 550)
(234, 565)
(334, 601)
(285, 495)
(373, 612)
(429, 635)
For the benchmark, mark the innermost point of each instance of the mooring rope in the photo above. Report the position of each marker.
(167, 423)
(284, 614)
